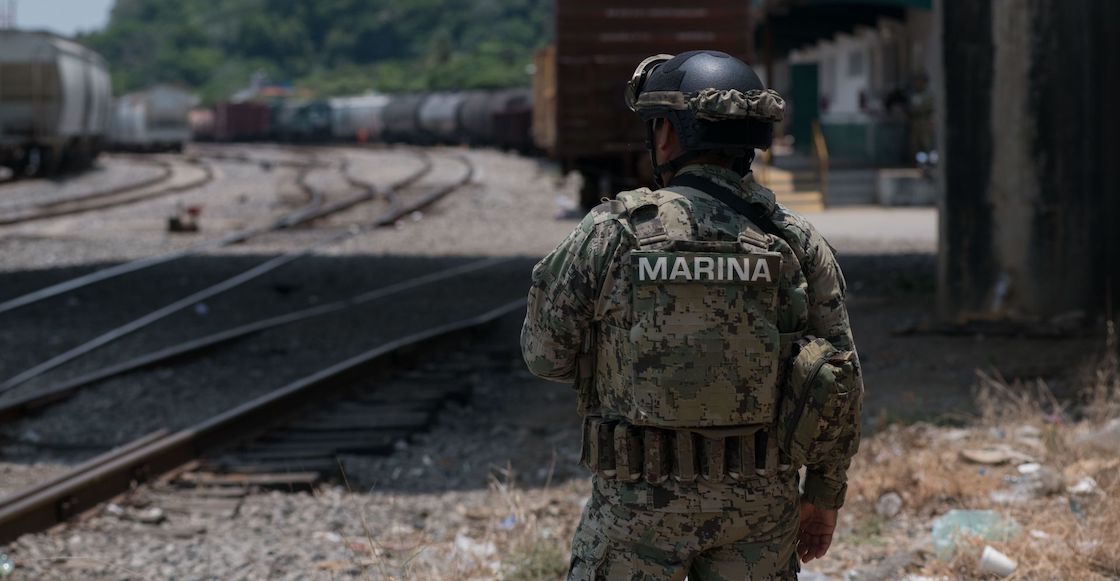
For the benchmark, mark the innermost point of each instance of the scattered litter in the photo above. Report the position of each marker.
(508, 523)
(1040, 535)
(7, 565)
(985, 524)
(888, 505)
(1036, 481)
(149, 516)
(996, 563)
(994, 456)
(474, 548)
(329, 536)
(1087, 486)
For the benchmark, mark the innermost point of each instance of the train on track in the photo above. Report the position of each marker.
(55, 103)
(155, 119)
(499, 118)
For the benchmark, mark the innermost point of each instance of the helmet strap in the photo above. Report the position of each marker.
(742, 164)
(673, 165)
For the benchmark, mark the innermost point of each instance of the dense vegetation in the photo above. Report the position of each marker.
(327, 46)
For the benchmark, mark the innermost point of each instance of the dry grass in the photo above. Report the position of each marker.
(1064, 535)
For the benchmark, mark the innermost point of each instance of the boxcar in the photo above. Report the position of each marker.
(54, 103)
(247, 121)
(582, 119)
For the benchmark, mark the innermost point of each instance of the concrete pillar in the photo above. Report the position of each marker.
(1029, 205)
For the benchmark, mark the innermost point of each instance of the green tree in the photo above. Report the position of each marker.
(328, 46)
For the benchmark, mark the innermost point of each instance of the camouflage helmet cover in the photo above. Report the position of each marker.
(714, 100)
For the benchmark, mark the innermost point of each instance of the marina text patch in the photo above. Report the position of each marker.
(682, 267)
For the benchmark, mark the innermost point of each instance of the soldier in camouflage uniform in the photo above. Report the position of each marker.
(705, 329)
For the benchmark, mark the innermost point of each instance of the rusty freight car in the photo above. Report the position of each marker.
(580, 118)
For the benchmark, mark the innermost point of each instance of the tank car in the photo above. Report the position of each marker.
(357, 118)
(156, 119)
(512, 113)
(438, 117)
(476, 118)
(401, 119)
(54, 103)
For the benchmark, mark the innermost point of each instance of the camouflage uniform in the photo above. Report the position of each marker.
(670, 529)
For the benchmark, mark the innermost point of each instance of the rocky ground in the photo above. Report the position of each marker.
(494, 491)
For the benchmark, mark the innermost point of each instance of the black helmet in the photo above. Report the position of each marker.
(715, 102)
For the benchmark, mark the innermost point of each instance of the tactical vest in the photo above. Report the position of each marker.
(703, 349)
(701, 380)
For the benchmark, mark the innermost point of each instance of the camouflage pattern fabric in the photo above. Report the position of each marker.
(583, 282)
(583, 289)
(615, 540)
(721, 105)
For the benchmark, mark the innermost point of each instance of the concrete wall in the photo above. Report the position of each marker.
(1030, 179)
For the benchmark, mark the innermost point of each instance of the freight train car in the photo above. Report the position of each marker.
(54, 103)
(401, 118)
(512, 113)
(581, 118)
(438, 117)
(241, 121)
(302, 121)
(357, 118)
(202, 124)
(156, 119)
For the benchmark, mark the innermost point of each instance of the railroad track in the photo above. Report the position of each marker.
(249, 438)
(315, 208)
(162, 184)
(396, 210)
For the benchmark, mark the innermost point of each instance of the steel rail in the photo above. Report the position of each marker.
(53, 502)
(389, 217)
(299, 216)
(17, 407)
(104, 200)
(165, 173)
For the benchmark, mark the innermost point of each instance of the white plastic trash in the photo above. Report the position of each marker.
(996, 563)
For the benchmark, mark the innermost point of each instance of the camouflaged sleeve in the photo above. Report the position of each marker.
(562, 298)
(826, 482)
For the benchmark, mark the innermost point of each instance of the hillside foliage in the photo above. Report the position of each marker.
(329, 47)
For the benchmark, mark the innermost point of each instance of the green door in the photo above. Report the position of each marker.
(805, 102)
